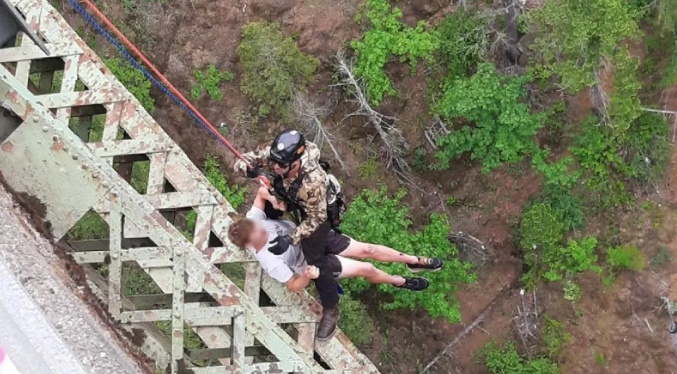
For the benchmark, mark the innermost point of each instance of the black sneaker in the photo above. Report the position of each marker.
(415, 284)
(426, 263)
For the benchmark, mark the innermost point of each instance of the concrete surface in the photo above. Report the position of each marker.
(44, 326)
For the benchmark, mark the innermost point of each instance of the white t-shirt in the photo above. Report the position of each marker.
(279, 267)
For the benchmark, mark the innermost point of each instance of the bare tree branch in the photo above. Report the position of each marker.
(390, 135)
(309, 114)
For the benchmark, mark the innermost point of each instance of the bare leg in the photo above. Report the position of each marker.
(377, 252)
(352, 269)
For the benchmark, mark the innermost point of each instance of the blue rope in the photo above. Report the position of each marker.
(133, 61)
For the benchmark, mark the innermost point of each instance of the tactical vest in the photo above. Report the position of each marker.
(335, 203)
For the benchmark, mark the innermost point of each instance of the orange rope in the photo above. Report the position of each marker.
(164, 80)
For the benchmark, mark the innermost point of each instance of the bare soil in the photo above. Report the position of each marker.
(623, 322)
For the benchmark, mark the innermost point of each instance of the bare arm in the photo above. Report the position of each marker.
(264, 195)
(299, 282)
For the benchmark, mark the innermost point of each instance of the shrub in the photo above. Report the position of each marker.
(646, 148)
(355, 321)
(133, 80)
(463, 41)
(576, 257)
(574, 36)
(374, 217)
(209, 82)
(554, 337)
(273, 67)
(504, 359)
(503, 128)
(389, 36)
(622, 258)
(234, 194)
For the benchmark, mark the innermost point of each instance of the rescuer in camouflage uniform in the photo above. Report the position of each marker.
(301, 184)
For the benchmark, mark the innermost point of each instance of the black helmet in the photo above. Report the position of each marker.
(287, 147)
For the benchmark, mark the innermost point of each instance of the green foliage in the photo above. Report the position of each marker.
(624, 105)
(610, 159)
(572, 291)
(625, 258)
(374, 217)
(646, 148)
(234, 194)
(576, 257)
(505, 360)
(566, 205)
(463, 42)
(662, 257)
(554, 337)
(134, 80)
(389, 36)
(539, 229)
(597, 151)
(369, 169)
(503, 128)
(600, 358)
(574, 36)
(90, 226)
(420, 159)
(542, 233)
(355, 322)
(209, 82)
(558, 189)
(273, 67)
(139, 179)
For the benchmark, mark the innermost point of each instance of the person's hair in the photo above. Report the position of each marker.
(239, 232)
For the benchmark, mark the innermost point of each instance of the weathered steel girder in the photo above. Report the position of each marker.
(53, 155)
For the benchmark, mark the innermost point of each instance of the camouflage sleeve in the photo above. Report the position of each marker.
(314, 194)
(259, 156)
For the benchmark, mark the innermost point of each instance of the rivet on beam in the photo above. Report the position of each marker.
(55, 138)
(75, 157)
(104, 184)
(36, 119)
(95, 175)
(45, 128)
(114, 256)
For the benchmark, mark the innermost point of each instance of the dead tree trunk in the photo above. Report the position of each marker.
(514, 50)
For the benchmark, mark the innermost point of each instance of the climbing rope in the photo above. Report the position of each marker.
(165, 86)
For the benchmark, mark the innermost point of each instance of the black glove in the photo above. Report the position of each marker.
(280, 245)
(254, 171)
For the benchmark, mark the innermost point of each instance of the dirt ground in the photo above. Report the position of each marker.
(624, 323)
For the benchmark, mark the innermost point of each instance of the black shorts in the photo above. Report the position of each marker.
(336, 243)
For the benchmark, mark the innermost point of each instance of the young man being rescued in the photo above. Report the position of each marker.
(257, 231)
(303, 185)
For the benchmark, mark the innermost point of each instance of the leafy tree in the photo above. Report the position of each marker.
(503, 128)
(463, 41)
(209, 82)
(575, 36)
(273, 67)
(375, 217)
(389, 36)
